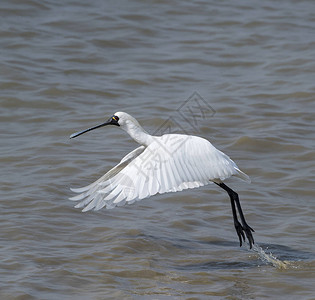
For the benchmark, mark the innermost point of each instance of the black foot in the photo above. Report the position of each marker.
(241, 235)
(248, 231)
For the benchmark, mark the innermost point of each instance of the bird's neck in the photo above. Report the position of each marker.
(138, 133)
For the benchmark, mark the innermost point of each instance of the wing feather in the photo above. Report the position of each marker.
(166, 165)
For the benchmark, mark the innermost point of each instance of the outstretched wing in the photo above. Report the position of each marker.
(170, 163)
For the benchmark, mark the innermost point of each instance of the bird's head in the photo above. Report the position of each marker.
(121, 119)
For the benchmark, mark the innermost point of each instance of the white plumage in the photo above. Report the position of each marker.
(168, 163)
(162, 164)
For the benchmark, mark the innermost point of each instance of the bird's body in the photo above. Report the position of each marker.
(168, 163)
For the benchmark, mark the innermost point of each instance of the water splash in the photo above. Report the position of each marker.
(270, 258)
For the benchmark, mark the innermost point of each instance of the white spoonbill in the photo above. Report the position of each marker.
(167, 163)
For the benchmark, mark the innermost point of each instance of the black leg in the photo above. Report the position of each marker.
(240, 229)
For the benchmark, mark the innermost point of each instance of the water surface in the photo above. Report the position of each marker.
(65, 67)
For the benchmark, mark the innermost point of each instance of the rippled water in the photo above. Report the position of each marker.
(67, 66)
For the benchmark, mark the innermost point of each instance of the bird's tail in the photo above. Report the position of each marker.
(240, 174)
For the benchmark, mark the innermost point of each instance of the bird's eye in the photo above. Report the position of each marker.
(116, 118)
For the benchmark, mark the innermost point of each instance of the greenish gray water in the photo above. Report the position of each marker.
(65, 67)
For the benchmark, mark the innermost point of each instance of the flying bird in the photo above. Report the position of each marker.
(162, 164)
